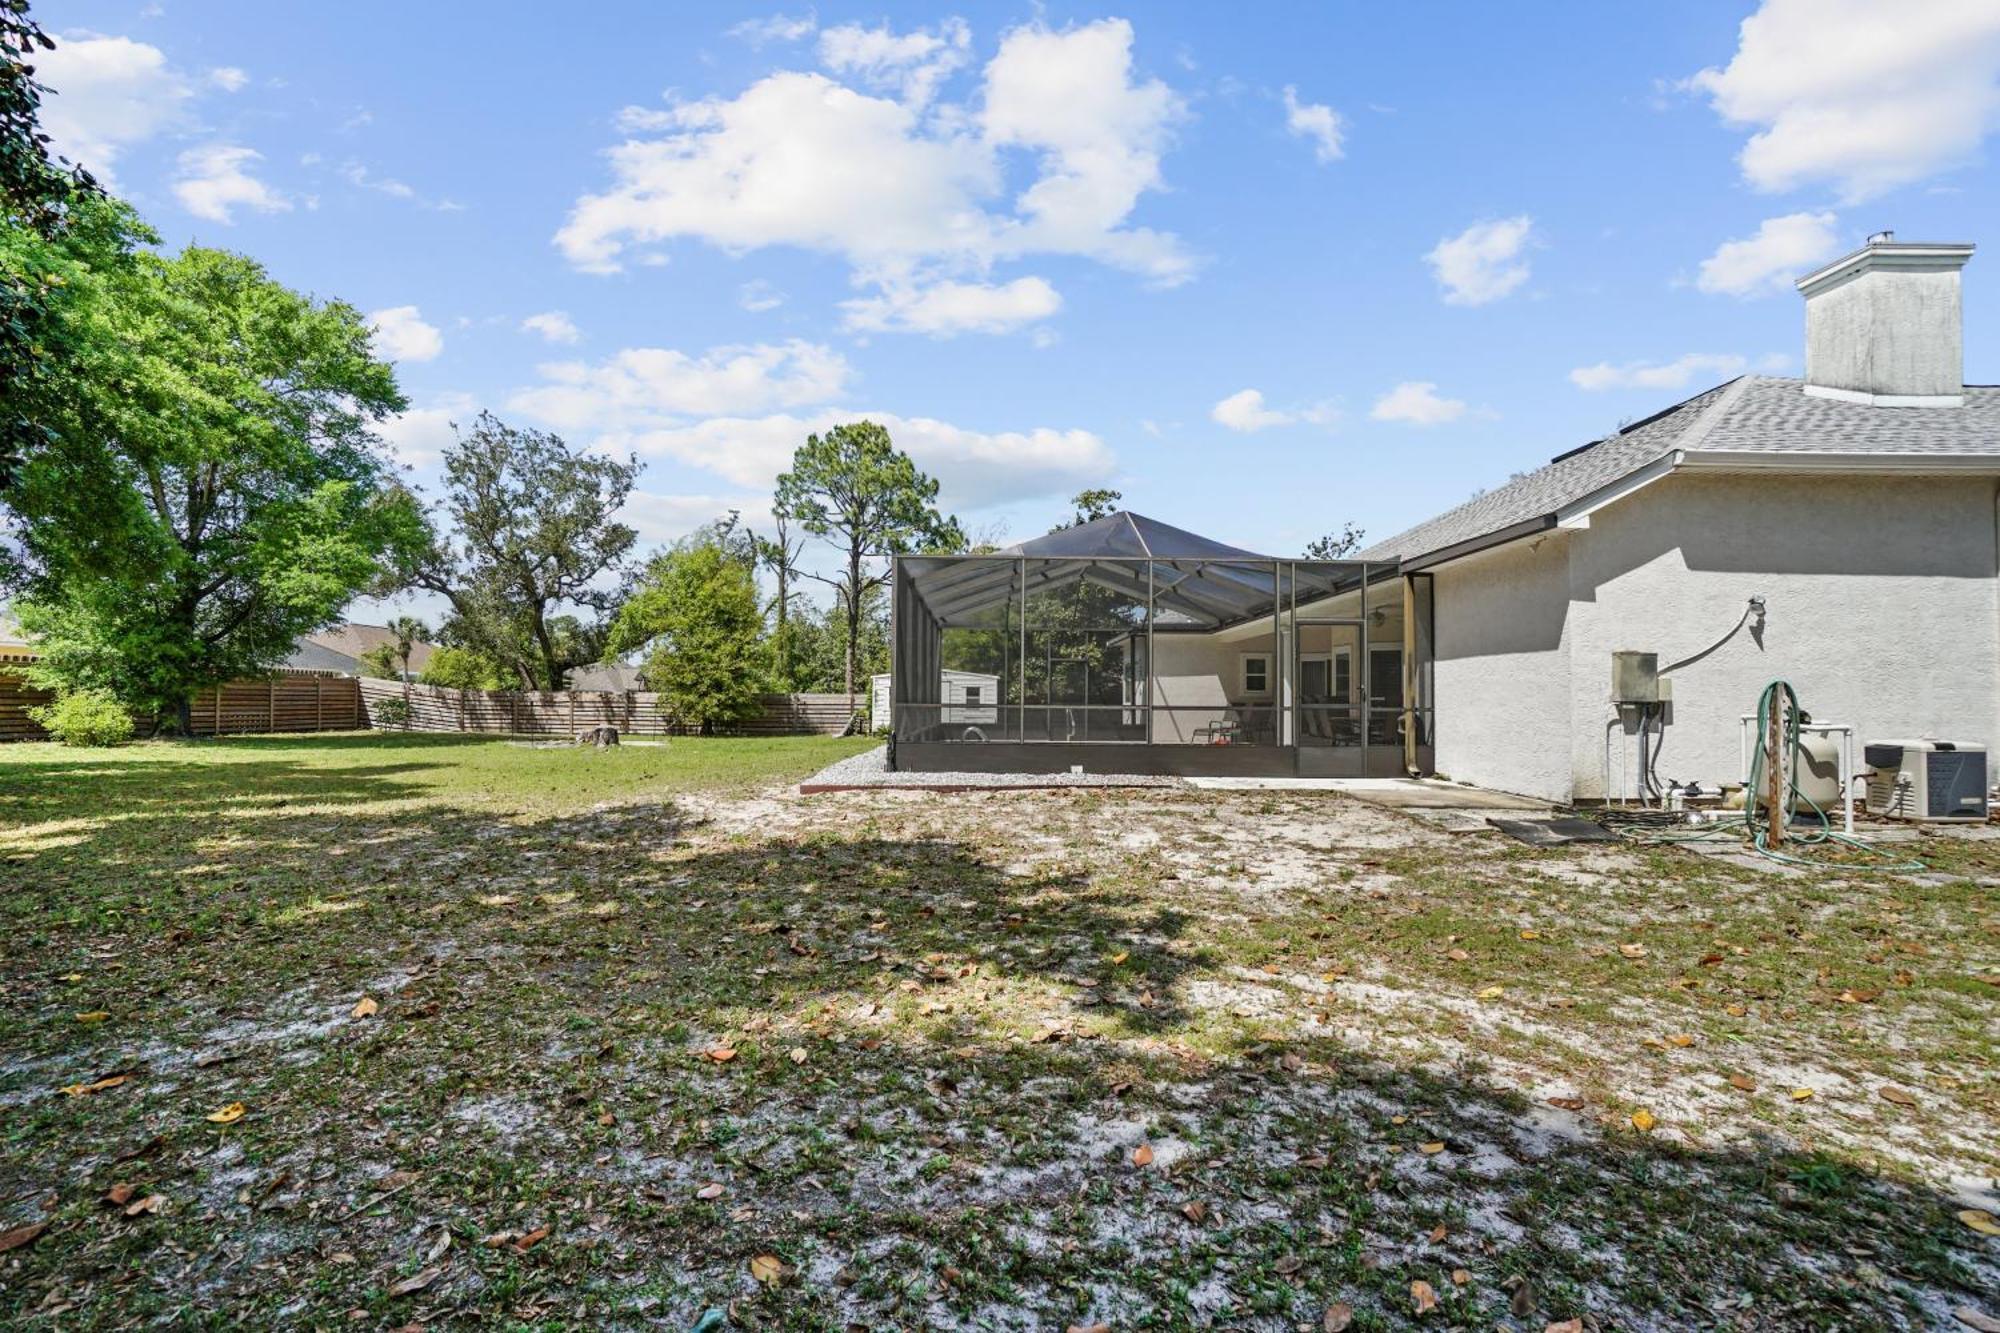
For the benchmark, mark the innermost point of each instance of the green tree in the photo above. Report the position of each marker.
(462, 669)
(210, 487)
(1336, 545)
(695, 614)
(779, 553)
(40, 196)
(855, 489)
(1091, 505)
(390, 660)
(530, 531)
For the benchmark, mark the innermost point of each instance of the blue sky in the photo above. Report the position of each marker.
(1264, 269)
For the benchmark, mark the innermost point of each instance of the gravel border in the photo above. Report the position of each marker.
(869, 771)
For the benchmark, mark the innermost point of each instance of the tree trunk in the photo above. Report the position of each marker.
(853, 619)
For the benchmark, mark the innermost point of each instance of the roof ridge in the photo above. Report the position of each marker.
(1698, 429)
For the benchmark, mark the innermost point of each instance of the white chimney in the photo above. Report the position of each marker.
(1884, 325)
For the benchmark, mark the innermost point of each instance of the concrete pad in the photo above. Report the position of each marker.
(1429, 794)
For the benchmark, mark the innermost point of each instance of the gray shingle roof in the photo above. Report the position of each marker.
(1756, 414)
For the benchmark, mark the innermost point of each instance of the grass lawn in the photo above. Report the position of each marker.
(556, 1038)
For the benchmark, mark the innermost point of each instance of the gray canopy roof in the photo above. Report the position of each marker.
(1193, 581)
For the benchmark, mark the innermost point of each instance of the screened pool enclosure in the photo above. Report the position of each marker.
(1128, 645)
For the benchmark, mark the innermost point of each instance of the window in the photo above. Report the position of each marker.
(1343, 676)
(972, 695)
(1256, 673)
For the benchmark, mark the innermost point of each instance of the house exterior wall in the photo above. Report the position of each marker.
(1501, 670)
(1197, 675)
(1881, 611)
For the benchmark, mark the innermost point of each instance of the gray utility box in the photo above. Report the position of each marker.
(1927, 779)
(1635, 678)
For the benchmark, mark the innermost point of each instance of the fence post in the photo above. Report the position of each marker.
(271, 706)
(218, 710)
(319, 703)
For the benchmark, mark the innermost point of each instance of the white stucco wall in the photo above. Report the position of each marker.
(1881, 610)
(1200, 675)
(1502, 668)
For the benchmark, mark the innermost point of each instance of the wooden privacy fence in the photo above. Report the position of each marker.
(566, 712)
(282, 703)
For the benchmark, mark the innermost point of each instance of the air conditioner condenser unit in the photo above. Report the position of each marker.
(1926, 780)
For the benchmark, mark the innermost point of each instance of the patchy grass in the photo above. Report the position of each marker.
(1358, 1054)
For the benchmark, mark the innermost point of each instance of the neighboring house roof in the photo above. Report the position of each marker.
(353, 640)
(1128, 534)
(310, 656)
(1755, 421)
(614, 676)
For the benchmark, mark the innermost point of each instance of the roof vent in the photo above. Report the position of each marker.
(1884, 325)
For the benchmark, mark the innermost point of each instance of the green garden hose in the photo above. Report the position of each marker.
(1781, 700)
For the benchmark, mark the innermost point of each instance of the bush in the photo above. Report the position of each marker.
(393, 711)
(85, 717)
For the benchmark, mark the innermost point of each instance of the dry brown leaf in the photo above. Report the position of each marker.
(1438, 1233)
(1801, 1094)
(1736, 1010)
(721, 1054)
(1681, 1039)
(1089, 1328)
(1643, 1121)
(1565, 1326)
(365, 1007)
(152, 1203)
(1531, 934)
(1898, 1096)
(94, 1016)
(19, 1236)
(85, 1089)
(1980, 1221)
(712, 1190)
(119, 1195)
(767, 1269)
(416, 1282)
(1288, 1265)
(1492, 992)
(1195, 1211)
(1743, 1083)
(1632, 950)
(797, 1055)
(1142, 1155)
(1458, 955)
(229, 1114)
(1431, 1149)
(1972, 1319)
(1337, 1318)
(531, 1239)
(1118, 959)
(1426, 1299)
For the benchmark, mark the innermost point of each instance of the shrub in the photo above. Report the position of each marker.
(393, 711)
(85, 717)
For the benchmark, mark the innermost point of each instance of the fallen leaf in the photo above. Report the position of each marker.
(1432, 1149)
(797, 1055)
(1458, 955)
(19, 1236)
(1681, 1039)
(767, 1269)
(1425, 1298)
(1531, 934)
(1632, 950)
(1438, 1233)
(1492, 992)
(1337, 1317)
(1736, 1010)
(1972, 1319)
(1118, 959)
(152, 1203)
(119, 1195)
(85, 1089)
(73, 977)
(365, 1007)
(94, 1016)
(532, 1239)
(1567, 1103)
(1195, 1211)
(1801, 1094)
(1089, 1328)
(416, 1282)
(721, 1054)
(1142, 1155)
(1743, 1083)
(1643, 1121)
(1288, 1265)
(1565, 1326)
(229, 1114)
(1898, 1096)
(1979, 1221)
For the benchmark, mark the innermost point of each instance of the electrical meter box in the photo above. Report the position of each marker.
(1635, 678)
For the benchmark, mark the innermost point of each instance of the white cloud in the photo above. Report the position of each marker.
(402, 335)
(947, 308)
(641, 388)
(106, 94)
(976, 469)
(554, 325)
(359, 176)
(1246, 411)
(776, 28)
(1782, 249)
(757, 296)
(1416, 403)
(1658, 375)
(214, 180)
(909, 196)
(1482, 263)
(420, 436)
(228, 79)
(1863, 94)
(1321, 124)
(661, 519)
(912, 64)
